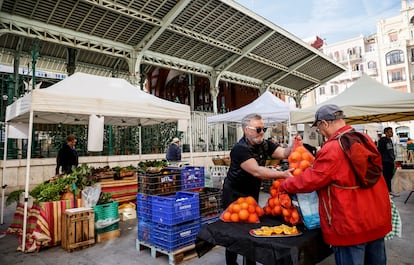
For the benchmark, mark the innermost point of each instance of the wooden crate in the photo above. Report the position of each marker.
(108, 236)
(78, 229)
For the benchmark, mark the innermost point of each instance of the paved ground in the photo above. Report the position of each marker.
(122, 251)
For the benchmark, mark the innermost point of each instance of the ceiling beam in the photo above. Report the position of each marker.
(10, 24)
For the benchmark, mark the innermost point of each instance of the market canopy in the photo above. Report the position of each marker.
(217, 39)
(366, 101)
(271, 108)
(74, 99)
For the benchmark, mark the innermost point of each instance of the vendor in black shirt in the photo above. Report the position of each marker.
(247, 168)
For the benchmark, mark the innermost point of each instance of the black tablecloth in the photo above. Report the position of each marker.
(305, 249)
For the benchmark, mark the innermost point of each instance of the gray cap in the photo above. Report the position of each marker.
(328, 112)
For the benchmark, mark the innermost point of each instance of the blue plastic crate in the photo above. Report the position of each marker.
(144, 230)
(210, 219)
(179, 208)
(144, 208)
(171, 238)
(192, 178)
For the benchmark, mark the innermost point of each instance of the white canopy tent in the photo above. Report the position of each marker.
(272, 109)
(366, 101)
(74, 99)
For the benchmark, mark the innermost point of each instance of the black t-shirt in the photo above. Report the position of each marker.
(238, 180)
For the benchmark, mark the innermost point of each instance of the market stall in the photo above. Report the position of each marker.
(305, 248)
(76, 98)
(366, 101)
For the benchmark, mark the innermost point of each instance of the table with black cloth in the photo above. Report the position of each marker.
(305, 249)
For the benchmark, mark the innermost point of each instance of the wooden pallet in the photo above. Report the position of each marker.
(175, 257)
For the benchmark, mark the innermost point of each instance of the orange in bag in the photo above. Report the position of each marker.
(243, 210)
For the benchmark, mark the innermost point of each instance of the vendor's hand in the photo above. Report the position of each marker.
(287, 173)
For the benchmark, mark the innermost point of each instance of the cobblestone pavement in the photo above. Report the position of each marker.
(123, 251)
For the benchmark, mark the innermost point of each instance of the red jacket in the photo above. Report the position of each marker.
(349, 216)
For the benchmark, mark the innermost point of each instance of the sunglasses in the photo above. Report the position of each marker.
(258, 129)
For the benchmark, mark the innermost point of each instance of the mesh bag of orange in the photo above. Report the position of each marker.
(243, 210)
(280, 204)
(300, 158)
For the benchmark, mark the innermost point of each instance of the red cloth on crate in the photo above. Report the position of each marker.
(43, 224)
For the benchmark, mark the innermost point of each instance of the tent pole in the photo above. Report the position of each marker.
(3, 186)
(26, 189)
(191, 141)
(140, 143)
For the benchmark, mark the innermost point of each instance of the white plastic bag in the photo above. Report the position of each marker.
(90, 195)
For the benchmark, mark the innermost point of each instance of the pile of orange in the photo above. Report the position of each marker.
(243, 210)
(280, 204)
(300, 159)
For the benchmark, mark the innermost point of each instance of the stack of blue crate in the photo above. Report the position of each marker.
(166, 220)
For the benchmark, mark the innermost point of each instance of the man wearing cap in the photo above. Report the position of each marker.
(174, 150)
(353, 220)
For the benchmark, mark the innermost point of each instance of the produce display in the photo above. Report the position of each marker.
(243, 210)
(279, 230)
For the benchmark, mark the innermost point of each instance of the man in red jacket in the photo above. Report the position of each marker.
(353, 220)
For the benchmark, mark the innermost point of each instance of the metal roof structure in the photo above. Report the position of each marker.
(217, 39)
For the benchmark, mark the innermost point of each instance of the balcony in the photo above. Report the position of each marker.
(372, 72)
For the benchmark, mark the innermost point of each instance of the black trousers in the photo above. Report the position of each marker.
(388, 172)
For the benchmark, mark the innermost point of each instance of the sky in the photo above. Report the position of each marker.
(332, 20)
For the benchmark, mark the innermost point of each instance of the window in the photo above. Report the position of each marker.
(334, 90)
(396, 75)
(412, 20)
(322, 90)
(372, 65)
(393, 36)
(412, 55)
(394, 57)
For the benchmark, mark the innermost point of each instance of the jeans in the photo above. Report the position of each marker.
(370, 253)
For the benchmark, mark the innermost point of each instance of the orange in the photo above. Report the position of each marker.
(226, 216)
(267, 210)
(293, 221)
(251, 201)
(294, 157)
(277, 210)
(304, 164)
(285, 212)
(275, 184)
(276, 201)
(271, 202)
(295, 214)
(297, 172)
(273, 192)
(307, 156)
(243, 214)
(253, 218)
(252, 208)
(301, 149)
(235, 217)
(259, 211)
(236, 208)
(244, 205)
(287, 203)
(294, 165)
(240, 200)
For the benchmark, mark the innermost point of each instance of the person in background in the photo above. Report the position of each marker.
(386, 148)
(67, 156)
(247, 167)
(353, 220)
(410, 144)
(174, 150)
